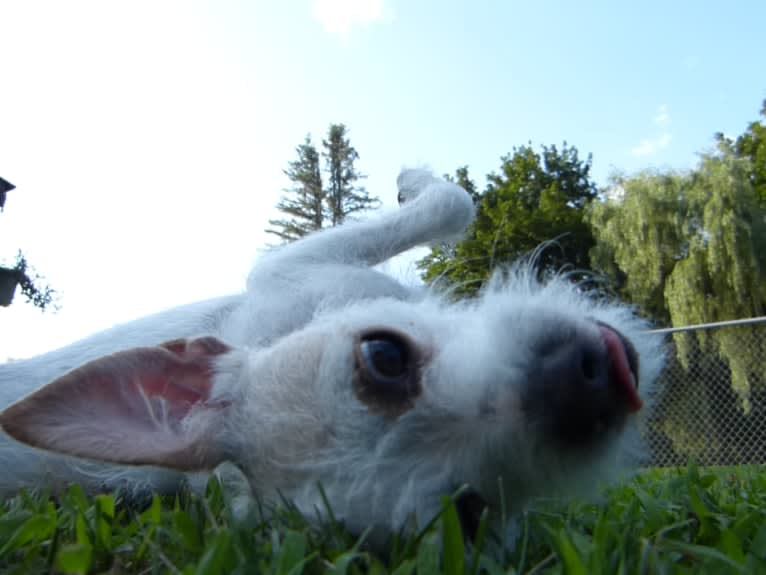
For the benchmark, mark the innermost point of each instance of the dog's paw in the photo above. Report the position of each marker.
(448, 206)
(412, 182)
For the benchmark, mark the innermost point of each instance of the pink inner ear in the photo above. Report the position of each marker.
(126, 407)
(181, 377)
(177, 372)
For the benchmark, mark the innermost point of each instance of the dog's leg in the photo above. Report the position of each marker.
(331, 267)
(432, 210)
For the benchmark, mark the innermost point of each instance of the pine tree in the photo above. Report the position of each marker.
(305, 200)
(310, 205)
(343, 196)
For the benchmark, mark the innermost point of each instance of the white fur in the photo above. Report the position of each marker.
(294, 420)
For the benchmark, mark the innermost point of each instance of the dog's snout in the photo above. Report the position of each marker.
(583, 384)
(579, 366)
(590, 364)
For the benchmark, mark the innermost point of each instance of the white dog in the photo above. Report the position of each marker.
(327, 372)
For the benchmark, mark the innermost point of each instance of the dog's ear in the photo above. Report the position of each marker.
(148, 405)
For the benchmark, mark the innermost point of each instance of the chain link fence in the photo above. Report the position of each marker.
(711, 399)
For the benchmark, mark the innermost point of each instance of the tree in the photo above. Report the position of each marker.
(752, 145)
(21, 274)
(639, 237)
(305, 202)
(463, 179)
(344, 197)
(690, 248)
(534, 198)
(687, 248)
(312, 206)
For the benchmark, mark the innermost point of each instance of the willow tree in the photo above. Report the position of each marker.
(690, 248)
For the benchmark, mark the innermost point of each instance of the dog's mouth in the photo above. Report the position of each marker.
(623, 366)
(584, 388)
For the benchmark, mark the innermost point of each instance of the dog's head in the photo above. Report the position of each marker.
(387, 404)
(528, 390)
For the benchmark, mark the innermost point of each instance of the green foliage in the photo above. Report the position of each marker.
(309, 204)
(663, 521)
(752, 145)
(37, 293)
(304, 202)
(535, 197)
(21, 274)
(344, 196)
(688, 248)
(639, 237)
(463, 179)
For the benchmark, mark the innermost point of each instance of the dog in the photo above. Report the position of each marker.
(326, 372)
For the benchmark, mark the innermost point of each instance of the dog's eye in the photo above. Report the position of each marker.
(385, 358)
(386, 378)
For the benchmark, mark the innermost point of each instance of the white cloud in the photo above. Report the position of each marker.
(338, 17)
(651, 146)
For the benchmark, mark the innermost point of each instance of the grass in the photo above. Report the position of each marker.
(695, 520)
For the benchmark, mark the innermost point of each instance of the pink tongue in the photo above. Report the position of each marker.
(619, 368)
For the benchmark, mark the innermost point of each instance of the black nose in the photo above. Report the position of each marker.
(582, 385)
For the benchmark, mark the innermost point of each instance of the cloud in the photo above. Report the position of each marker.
(338, 17)
(651, 146)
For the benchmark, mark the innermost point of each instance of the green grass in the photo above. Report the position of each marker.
(710, 520)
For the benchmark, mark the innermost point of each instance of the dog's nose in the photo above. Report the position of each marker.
(583, 385)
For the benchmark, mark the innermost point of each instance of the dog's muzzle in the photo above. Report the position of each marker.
(585, 386)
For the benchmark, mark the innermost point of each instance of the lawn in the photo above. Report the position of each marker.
(707, 520)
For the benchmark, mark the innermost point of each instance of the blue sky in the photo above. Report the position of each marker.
(148, 138)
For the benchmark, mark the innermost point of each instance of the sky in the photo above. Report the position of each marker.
(147, 139)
